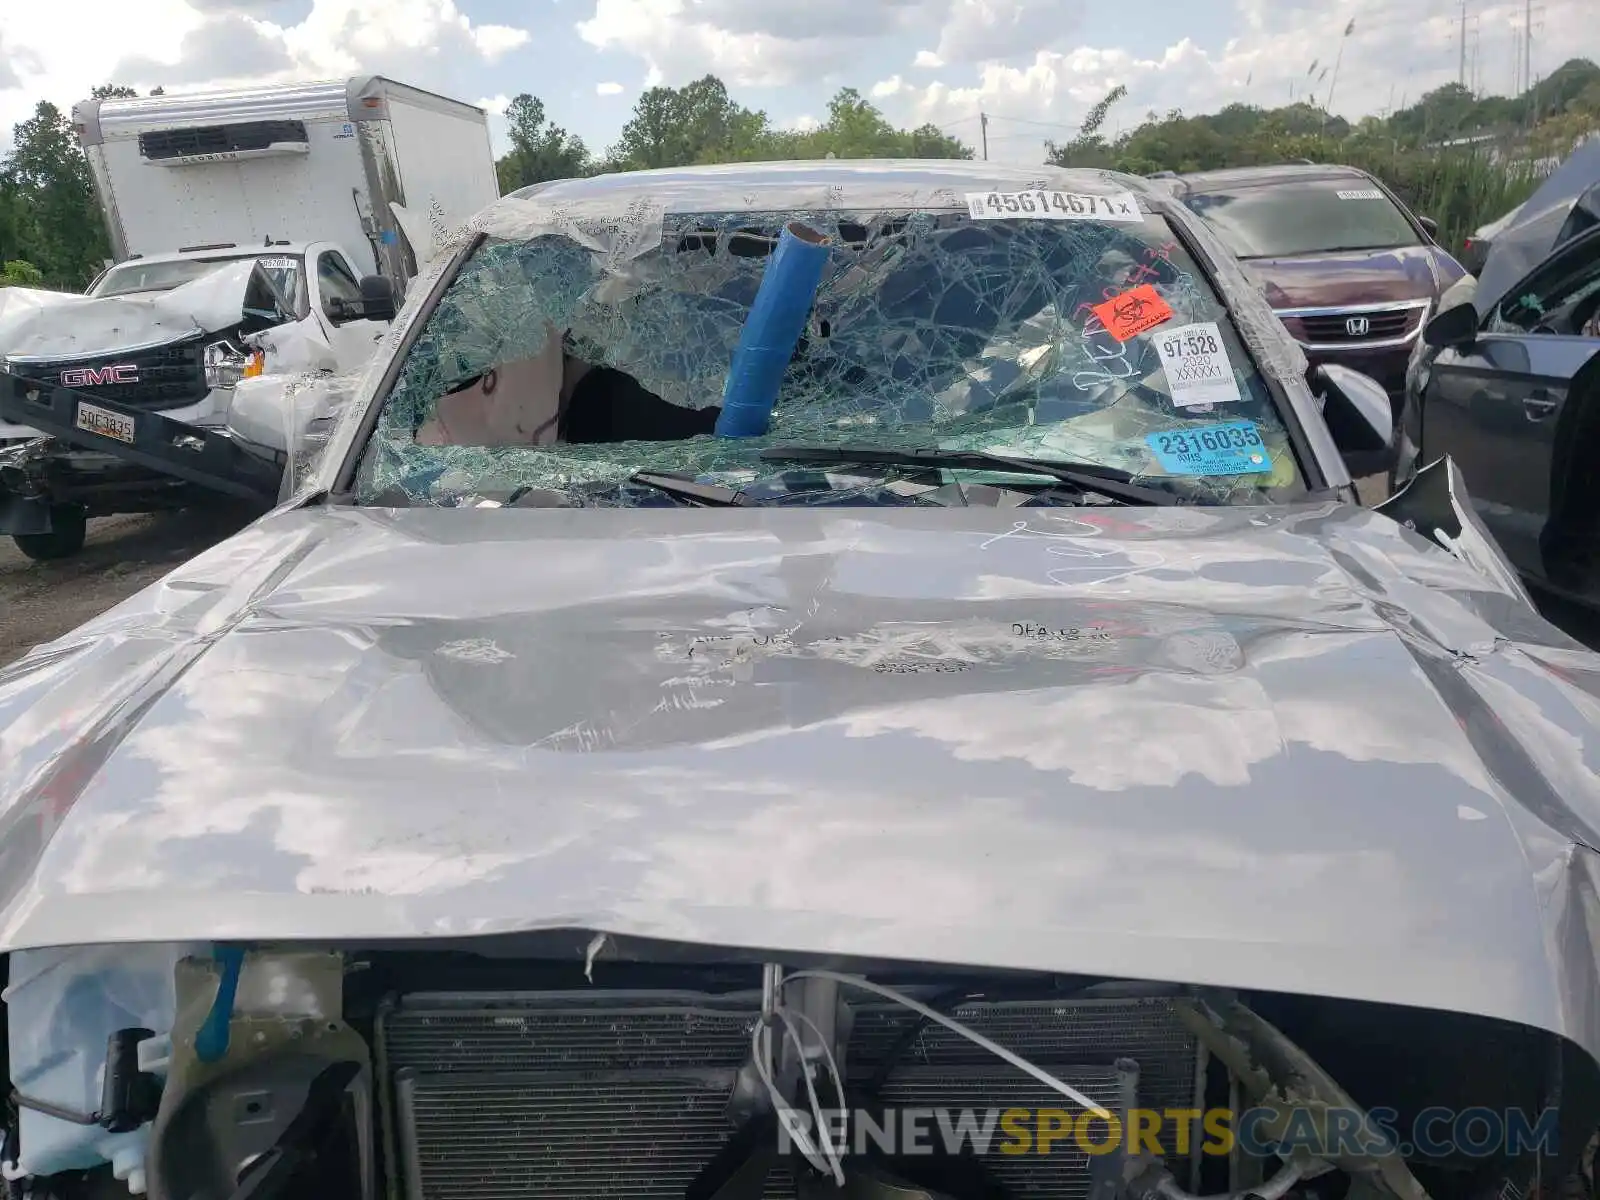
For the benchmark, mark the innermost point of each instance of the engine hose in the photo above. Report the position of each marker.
(1273, 1189)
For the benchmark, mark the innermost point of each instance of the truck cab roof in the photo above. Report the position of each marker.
(222, 252)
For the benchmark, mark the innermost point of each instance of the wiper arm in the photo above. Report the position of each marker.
(1111, 482)
(707, 495)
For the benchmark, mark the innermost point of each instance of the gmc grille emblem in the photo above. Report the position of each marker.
(1357, 326)
(81, 377)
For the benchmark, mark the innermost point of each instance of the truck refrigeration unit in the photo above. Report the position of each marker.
(256, 231)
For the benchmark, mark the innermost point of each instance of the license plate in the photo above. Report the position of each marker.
(94, 419)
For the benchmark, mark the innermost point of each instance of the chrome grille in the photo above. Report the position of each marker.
(1334, 327)
(528, 1096)
(171, 376)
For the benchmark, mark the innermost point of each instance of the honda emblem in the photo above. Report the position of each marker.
(1357, 326)
(81, 377)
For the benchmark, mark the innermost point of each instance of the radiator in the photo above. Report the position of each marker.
(596, 1095)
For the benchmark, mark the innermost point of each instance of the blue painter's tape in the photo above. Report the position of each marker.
(211, 1042)
(1229, 448)
(389, 237)
(771, 332)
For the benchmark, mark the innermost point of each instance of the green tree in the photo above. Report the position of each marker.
(1089, 149)
(697, 123)
(114, 91)
(20, 273)
(856, 128)
(46, 177)
(540, 151)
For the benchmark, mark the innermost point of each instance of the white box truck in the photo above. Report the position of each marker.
(309, 182)
(298, 162)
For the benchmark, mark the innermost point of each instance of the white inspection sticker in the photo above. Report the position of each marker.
(1361, 194)
(1196, 364)
(1045, 205)
(278, 264)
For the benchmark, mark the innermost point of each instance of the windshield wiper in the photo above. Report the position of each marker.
(1111, 482)
(708, 495)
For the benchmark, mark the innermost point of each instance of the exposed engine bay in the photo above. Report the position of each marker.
(201, 1073)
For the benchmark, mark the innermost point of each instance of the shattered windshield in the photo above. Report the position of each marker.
(561, 364)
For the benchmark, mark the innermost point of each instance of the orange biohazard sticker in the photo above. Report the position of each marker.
(1133, 312)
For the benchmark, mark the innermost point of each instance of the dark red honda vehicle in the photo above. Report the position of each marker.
(1352, 273)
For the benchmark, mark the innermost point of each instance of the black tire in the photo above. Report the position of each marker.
(69, 526)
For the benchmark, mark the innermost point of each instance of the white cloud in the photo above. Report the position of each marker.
(57, 55)
(981, 30)
(608, 89)
(927, 58)
(60, 56)
(430, 42)
(228, 47)
(495, 40)
(494, 104)
(804, 123)
(887, 87)
(1392, 58)
(778, 42)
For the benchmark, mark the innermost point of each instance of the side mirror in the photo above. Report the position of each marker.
(1429, 226)
(1457, 326)
(377, 301)
(1359, 415)
(377, 298)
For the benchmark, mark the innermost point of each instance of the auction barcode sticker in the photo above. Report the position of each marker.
(1196, 364)
(1045, 205)
(1360, 194)
(277, 264)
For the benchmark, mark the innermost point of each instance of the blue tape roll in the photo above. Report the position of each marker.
(771, 332)
(211, 1042)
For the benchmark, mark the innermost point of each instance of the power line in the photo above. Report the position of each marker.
(1041, 124)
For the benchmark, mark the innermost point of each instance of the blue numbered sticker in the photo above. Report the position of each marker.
(1230, 448)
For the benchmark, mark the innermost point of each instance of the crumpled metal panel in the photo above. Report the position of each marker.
(54, 325)
(1291, 748)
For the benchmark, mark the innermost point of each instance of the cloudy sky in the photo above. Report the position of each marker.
(1033, 65)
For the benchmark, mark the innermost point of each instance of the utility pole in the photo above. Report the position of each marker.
(983, 128)
(1527, 43)
(1461, 71)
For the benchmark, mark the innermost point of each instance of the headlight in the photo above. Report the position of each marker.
(226, 364)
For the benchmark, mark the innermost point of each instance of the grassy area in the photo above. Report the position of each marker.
(1460, 189)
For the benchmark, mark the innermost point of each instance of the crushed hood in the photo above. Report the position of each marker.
(1296, 748)
(53, 325)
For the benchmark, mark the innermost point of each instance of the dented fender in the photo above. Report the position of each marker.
(1436, 504)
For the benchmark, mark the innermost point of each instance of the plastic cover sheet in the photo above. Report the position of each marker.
(312, 408)
(929, 328)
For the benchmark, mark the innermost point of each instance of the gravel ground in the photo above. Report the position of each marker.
(41, 601)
